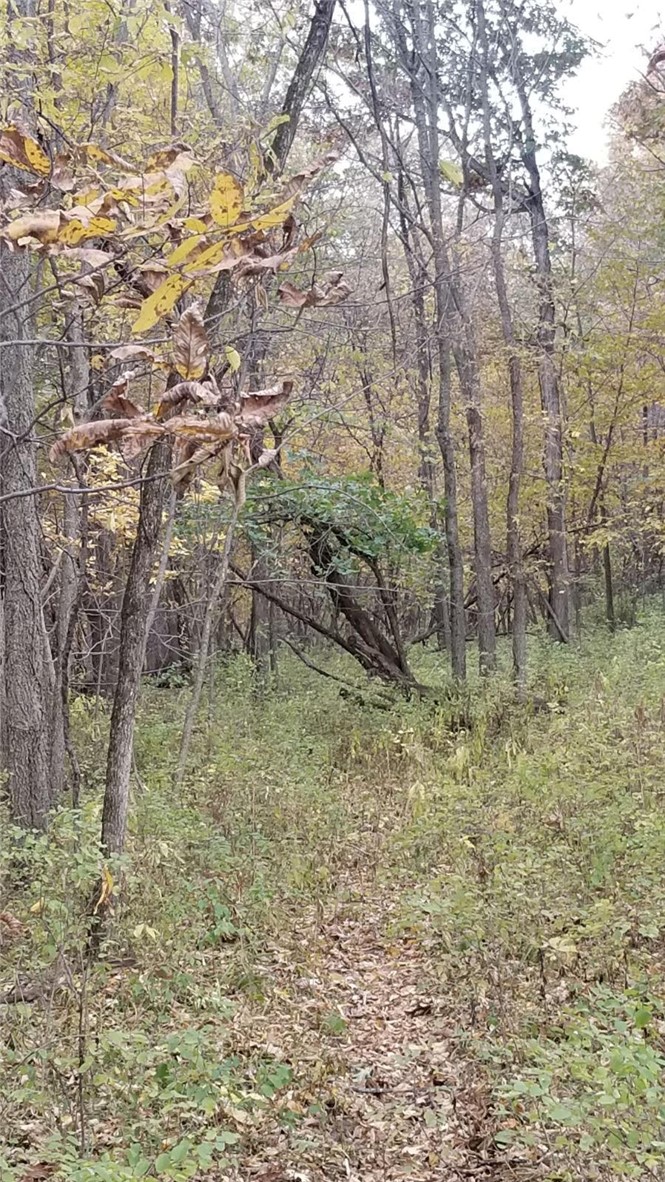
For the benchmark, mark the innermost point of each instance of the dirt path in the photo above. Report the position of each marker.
(378, 1091)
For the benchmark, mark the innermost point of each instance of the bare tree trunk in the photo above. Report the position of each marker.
(76, 384)
(426, 111)
(466, 360)
(259, 637)
(27, 692)
(550, 394)
(514, 541)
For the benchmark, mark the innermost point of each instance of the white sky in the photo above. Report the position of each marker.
(629, 31)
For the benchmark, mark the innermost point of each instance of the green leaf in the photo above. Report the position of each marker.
(643, 1016)
(451, 172)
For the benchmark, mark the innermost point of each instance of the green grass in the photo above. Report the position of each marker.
(525, 849)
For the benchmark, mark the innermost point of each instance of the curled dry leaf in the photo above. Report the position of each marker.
(133, 353)
(11, 924)
(259, 407)
(190, 345)
(267, 457)
(190, 458)
(94, 284)
(23, 152)
(332, 292)
(196, 393)
(139, 434)
(117, 404)
(208, 430)
(87, 435)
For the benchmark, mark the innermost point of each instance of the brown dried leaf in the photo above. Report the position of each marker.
(189, 463)
(43, 224)
(333, 292)
(115, 402)
(192, 392)
(262, 405)
(12, 924)
(190, 345)
(296, 183)
(256, 264)
(153, 274)
(94, 284)
(62, 176)
(205, 430)
(88, 435)
(139, 434)
(88, 254)
(132, 352)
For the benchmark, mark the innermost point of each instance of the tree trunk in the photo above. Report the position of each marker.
(425, 107)
(259, 641)
(550, 394)
(76, 385)
(514, 541)
(27, 692)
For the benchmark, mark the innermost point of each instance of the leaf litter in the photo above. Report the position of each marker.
(380, 1091)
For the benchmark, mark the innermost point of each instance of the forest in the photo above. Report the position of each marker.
(332, 596)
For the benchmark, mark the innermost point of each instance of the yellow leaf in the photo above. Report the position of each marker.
(183, 250)
(106, 889)
(76, 231)
(226, 200)
(219, 253)
(274, 217)
(38, 161)
(22, 152)
(161, 301)
(233, 358)
(195, 225)
(37, 907)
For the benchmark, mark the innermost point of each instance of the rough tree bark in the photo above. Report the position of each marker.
(27, 689)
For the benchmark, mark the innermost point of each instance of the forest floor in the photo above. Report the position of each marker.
(359, 1017)
(366, 944)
